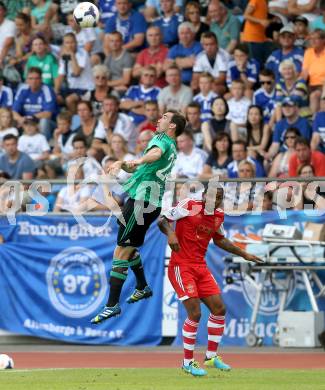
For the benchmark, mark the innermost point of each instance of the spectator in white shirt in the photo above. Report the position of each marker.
(75, 70)
(32, 142)
(238, 109)
(7, 33)
(114, 122)
(213, 60)
(63, 136)
(190, 159)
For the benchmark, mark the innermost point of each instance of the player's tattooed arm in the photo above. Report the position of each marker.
(228, 246)
(165, 228)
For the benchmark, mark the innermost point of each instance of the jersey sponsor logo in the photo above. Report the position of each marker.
(76, 282)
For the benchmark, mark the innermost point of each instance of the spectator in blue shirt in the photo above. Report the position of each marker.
(6, 94)
(265, 95)
(291, 118)
(153, 8)
(17, 164)
(131, 24)
(35, 99)
(168, 22)
(107, 9)
(135, 97)
(183, 54)
(243, 68)
(318, 137)
(287, 51)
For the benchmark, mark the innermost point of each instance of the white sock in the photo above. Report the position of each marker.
(210, 355)
(187, 362)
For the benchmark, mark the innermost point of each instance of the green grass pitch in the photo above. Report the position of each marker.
(158, 379)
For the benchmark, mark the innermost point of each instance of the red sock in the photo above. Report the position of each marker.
(216, 325)
(189, 337)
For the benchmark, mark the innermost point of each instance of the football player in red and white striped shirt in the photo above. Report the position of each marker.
(197, 223)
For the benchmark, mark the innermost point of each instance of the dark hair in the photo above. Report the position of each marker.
(267, 73)
(79, 138)
(240, 142)
(179, 120)
(151, 103)
(302, 166)
(188, 134)
(320, 32)
(24, 17)
(243, 47)
(302, 141)
(34, 69)
(292, 130)
(87, 103)
(217, 138)
(114, 98)
(2, 5)
(194, 105)
(249, 126)
(117, 33)
(209, 35)
(70, 34)
(4, 175)
(8, 137)
(41, 38)
(224, 102)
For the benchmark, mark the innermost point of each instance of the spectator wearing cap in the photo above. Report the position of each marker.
(114, 122)
(304, 155)
(119, 62)
(168, 22)
(131, 24)
(17, 164)
(6, 94)
(293, 86)
(7, 33)
(302, 31)
(183, 54)
(42, 59)
(256, 22)
(319, 22)
(135, 97)
(287, 51)
(190, 159)
(265, 95)
(35, 99)
(75, 73)
(32, 142)
(151, 112)
(291, 118)
(155, 55)
(212, 60)
(224, 25)
(243, 68)
(305, 8)
(176, 95)
(318, 137)
(313, 68)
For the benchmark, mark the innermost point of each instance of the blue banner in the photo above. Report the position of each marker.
(53, 280)
(239, 297)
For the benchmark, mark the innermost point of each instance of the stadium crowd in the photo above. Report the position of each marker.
(248, 74)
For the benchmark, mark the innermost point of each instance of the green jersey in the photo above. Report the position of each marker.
(48, 64)
(148, 181)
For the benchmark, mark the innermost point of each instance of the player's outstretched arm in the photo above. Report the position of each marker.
(165, 228)
(228, 246)
(151, 156)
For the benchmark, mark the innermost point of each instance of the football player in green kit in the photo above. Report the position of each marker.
(145, 189)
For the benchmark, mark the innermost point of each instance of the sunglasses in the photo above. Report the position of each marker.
(266, 82)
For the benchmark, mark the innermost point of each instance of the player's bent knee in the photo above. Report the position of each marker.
(219, 310)
(195, 315)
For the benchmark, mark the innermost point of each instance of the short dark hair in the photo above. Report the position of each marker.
(209, 35)
(267, 73)
(114, 98)
(79, 138)
(302, 166)
(240, 142)
(243, 47)
(179, 120)
(8, 137)
(35, 69)
(194, 105)
(2, 5)
(25, 18)
(188, 134)
(151, 103)
(302, 141)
